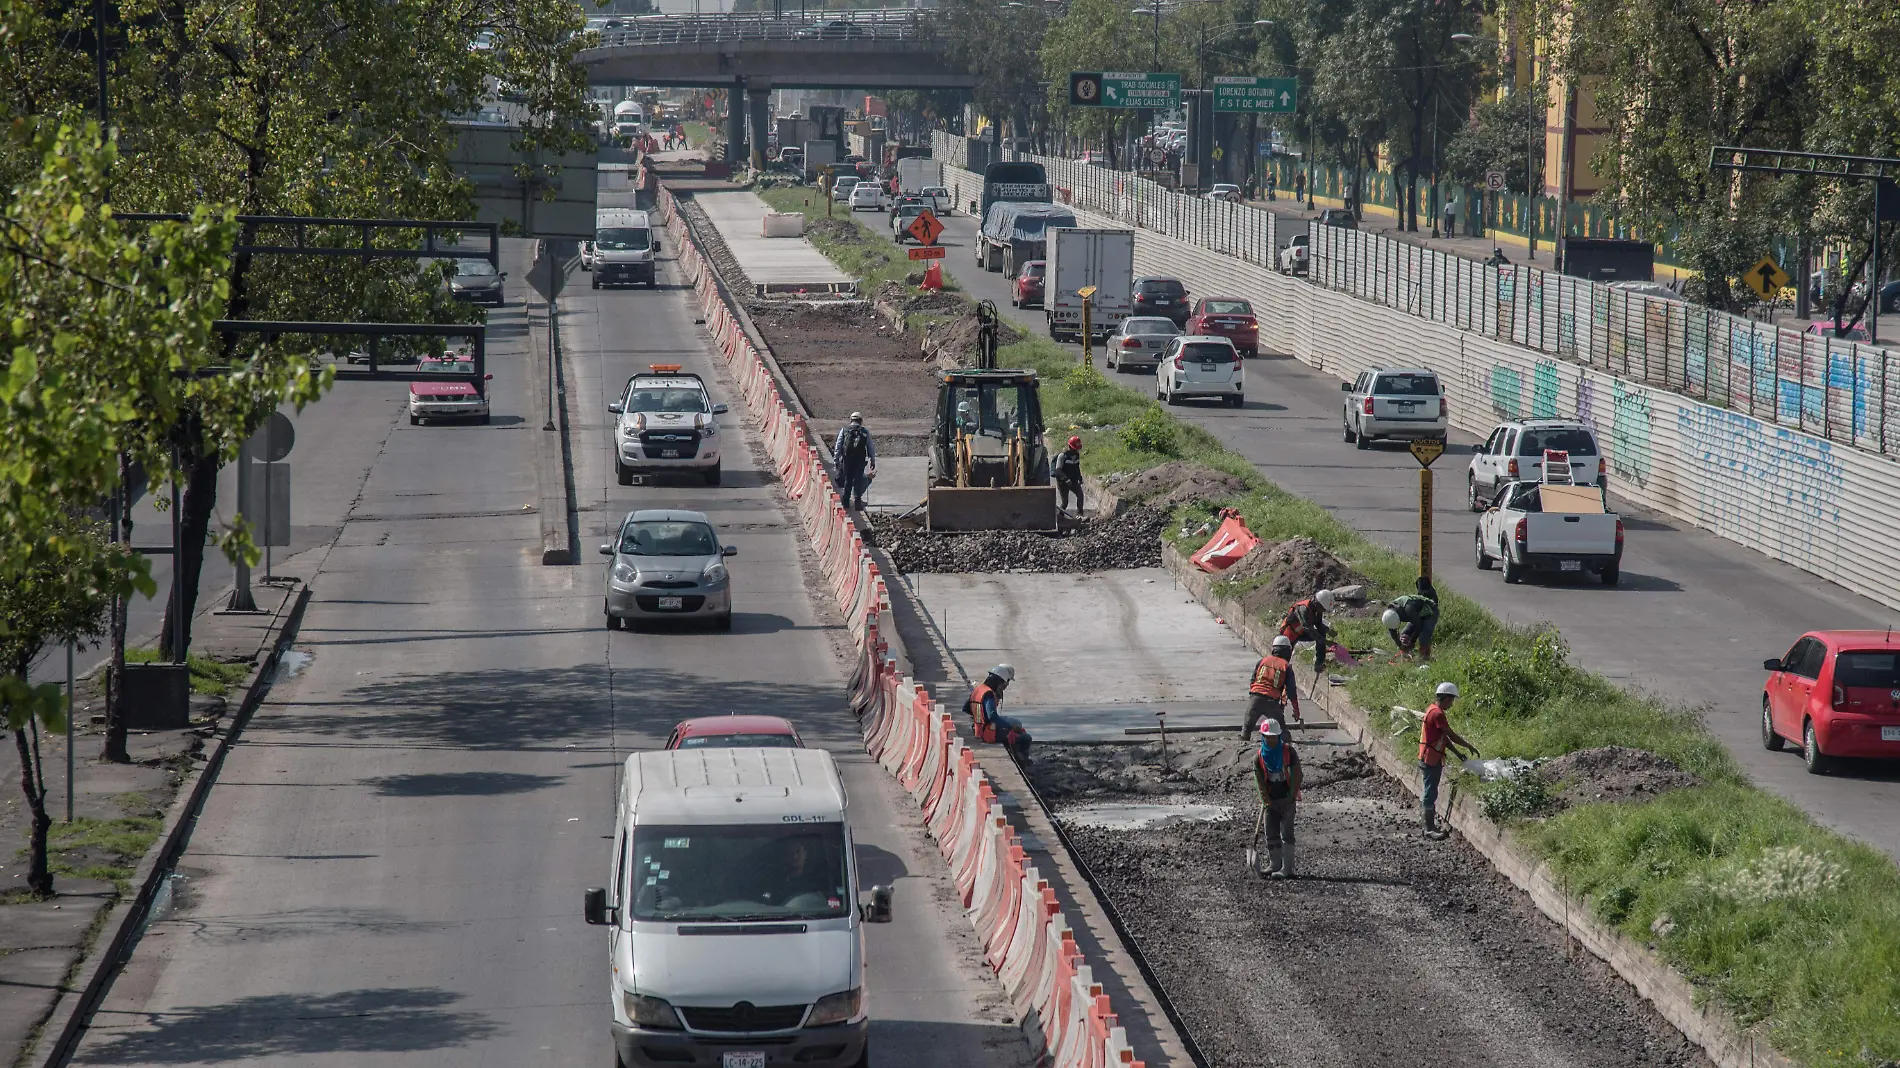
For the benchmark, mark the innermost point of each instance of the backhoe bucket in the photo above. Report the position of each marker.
(955, 508)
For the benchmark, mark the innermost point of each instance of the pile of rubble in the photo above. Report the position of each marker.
(1132, 539)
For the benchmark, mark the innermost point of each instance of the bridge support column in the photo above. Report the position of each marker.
(759, 97)
(735, 123)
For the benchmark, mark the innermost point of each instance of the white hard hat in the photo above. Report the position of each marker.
(857, 417)
(1391, 619)
(1447, 689)
(1270, 728)
(1281, 641)
(963, 406)
(1325, 599)
(1004, 672)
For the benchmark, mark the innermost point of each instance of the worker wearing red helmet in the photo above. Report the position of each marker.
(1067, 471)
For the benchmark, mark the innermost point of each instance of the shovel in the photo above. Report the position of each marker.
(1253, 843)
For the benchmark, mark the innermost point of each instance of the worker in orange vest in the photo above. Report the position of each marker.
(986, 722)
(1272, 688)
(1434, 739)
(1276, 771)
(1306, 622)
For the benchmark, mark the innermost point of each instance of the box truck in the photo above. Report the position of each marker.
(1081, 258)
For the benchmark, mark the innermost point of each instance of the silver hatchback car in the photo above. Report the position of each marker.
(667, 564)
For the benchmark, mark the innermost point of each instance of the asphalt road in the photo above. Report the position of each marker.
(1691, 621)
(389, 871)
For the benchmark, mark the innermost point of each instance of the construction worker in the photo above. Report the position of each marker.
(986, 722)
(1276, 771)
(1412, 618)
(1435, 737)
(856, 455)
(1306, 622)
(1272, 688)
(1067, 471)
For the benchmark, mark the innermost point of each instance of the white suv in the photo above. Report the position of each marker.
(667, 422)
(867, 195)
(1515, 453)
(1198, 366)
(1406, 404)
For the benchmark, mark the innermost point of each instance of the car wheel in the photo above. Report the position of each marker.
(594, 283)
(613, 621)
(1252, 353)
(1238, 400)
(1363, 441)
(1484, 558)
(622, 473)
(1472, 500)
(723, 622)
(712, 476)
(1347, 428)
(1770, 739)
(1173, 399)
(487, 420)
(413, 421)
(1818, 763)
(1611, 574)
(1513, 571)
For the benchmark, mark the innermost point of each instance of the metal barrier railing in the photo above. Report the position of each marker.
(884, 24)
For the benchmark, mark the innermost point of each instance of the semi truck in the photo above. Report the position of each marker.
(1081, 258)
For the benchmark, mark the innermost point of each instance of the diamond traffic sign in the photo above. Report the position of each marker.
(1426, 450)
(927, 252)
(925, 228)
(1260, 96)
(1766, 278)
(1124, 89)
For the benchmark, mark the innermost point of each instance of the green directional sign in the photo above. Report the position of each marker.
(1261, 96)
(1123, 89)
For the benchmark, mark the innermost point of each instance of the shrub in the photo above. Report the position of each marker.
(1152, 432)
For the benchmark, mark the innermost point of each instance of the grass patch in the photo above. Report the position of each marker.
(698, 134)
(94, 848)
(1782, 923)
(208, 676)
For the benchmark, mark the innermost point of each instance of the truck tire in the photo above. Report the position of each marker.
(1611, 573)
(1484, 558)
(1513, 571)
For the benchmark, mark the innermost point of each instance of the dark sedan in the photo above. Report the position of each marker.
(477, 282)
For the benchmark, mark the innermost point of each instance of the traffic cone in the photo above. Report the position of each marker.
(933, 276)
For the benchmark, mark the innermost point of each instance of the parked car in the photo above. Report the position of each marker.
(477, 282)
(1296, 255)
(665, 420)
(1028, 289)
(735, 732)
(1228, 317)
(938, 198)
(1340, 217)
(1890, 298)
(1533, 526)
(667, 563)
(1200, 367)
(1404, 404)
(1138, 343)
(841, 186)
(1515, 451)
(1227, 191)
(1161, 295)
(1856, 332)
(1835, 693)
(866, 195)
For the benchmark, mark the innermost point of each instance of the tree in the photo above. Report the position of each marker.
(1496, 139)
(998, 45)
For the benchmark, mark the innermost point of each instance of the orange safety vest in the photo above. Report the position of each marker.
(984, 730)
(1431, 749)
(1294, 625)
(1269, 678)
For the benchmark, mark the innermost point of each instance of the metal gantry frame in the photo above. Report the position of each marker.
(365, 248)
(1876, 169)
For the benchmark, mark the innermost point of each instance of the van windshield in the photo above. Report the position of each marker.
(622, 239)
(765, 871)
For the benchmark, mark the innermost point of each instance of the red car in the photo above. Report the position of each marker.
(735, 732)
(1836, 694)
(1028, 292)
(1228, 317)
(454, 399)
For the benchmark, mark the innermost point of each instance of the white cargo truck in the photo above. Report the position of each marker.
(918, 173)
(1078, 259)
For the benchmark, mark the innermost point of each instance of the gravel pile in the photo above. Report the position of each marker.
(1176, 483)
(1132, 539)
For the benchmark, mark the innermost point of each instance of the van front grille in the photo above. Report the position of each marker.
(743, 1017)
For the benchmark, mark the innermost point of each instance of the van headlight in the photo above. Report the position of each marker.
(714, 574)
(836, 1008)
(650, 1012)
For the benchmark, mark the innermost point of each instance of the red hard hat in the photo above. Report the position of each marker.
(1075, 443)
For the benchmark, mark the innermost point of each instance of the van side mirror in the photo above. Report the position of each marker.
(1345, 387)
(596, 909)
(729, 550)
(720, 409)
(1771, 665)
(607, 550)
(614, 407)
(876, 910)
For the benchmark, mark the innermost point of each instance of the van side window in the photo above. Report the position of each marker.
(620, 870)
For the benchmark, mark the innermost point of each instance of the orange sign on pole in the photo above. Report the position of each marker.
(927, 252)
(926, 229)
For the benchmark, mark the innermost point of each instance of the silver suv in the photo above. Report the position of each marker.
(1515, 453)
(667, 564)
(1407, 404)
(667, 422)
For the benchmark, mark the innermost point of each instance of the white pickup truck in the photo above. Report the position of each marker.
(1538, 526)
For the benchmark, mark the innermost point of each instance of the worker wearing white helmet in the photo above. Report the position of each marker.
(1411, 619)
(986, 722)
(1435, 737)
(1276, 771)
(1305, 621)
(1272, 688)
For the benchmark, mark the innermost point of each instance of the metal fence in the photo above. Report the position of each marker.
(1832, 388)
(886, 24)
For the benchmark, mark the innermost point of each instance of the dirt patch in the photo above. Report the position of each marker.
(1614, 773)
(1132, 539)
(1176, 483)
(912, 301)
(1291, 570)
(956, 338)
(1388, 949)
(844, 357)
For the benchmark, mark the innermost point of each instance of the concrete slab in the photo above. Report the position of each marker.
(768, 261)
(31, 979)
(900, 483)
(57, 922)
(1094, 653)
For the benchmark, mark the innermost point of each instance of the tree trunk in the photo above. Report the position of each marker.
(115, 751)
(195, 509)
(39, 877)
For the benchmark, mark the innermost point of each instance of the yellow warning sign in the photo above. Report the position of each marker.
(1426, 450)
(1766, 278)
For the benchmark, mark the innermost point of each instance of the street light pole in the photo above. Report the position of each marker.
(1530, 149)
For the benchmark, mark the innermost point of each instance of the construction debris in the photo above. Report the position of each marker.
(1132, 539)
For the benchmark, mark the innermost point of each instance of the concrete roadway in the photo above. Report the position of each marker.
(1691, 622)
(389, 869)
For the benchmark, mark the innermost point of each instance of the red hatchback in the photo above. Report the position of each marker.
(735, 732)
(1836, 694)
(1029, 284)
(1228, 317)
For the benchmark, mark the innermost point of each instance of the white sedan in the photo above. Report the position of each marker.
(1224, 191)
(867, 196)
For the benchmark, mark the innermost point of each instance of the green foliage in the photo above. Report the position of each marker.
(870, 257)
(1151, 432)
(1517, 797)
(1497, 139)
(211, 677)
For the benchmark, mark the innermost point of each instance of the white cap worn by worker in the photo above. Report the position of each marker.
(1282, 645)
(1270, 728)
(1391, 619)
(857, 417)
(1325, 599)
(1447, 689)
(1004, 672)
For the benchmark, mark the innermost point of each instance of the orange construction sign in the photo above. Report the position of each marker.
(925, 228)
(1230, 542)
(927, 252)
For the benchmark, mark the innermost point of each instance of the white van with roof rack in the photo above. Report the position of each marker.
(666, 420)
(732, 914)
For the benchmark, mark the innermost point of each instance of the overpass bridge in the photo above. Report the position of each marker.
(749, 54)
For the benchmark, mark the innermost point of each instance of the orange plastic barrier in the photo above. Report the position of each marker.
(1230, 542)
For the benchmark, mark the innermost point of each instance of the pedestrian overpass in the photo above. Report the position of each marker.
(760, 51)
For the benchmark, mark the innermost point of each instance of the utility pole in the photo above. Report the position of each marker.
(1530, 149)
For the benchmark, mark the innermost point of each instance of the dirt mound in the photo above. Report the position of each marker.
(1132, 539)
(1176, 483)
(912, 301)
(957, 336)
(1292, 569)
(1614, 773)
(835, 229)
(843, 357)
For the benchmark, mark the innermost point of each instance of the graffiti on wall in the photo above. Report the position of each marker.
(1751, 357)
(1544, 387)
(1695, 351)
(1629, 432)
(1746, 470)
(1507, 392)
(1587, 404)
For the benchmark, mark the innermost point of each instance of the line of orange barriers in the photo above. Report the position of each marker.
(1026, 939)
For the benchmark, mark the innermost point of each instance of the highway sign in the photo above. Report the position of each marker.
(1426, 450)
(925, 228)
(1494, 181)
(1766, 278)
(927, 252)
(1261, 96)
(1124, 89)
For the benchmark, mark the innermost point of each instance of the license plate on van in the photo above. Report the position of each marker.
(748, 1059)
(1570, 565)
(669, 454)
